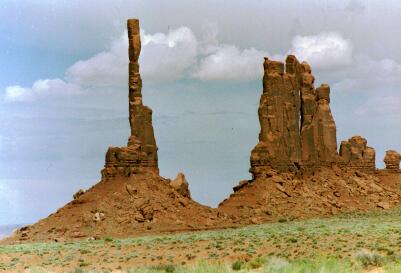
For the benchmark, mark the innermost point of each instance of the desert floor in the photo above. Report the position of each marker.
(355, 242)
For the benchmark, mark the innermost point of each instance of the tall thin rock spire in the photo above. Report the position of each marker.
(141, 153)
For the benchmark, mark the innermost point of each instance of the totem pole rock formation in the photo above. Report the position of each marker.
(140, 155)
(392, 160)
(298, 130)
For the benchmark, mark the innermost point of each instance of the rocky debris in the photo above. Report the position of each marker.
(297, 127)
(140, 156)
(357, 155)
(383, 205)
(240, 185)
(392, 160)
(78, 194)
(98, 216)
(325, 192)
(181, 185)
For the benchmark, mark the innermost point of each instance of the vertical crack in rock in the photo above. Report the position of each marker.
(298, 130)
(141, 153)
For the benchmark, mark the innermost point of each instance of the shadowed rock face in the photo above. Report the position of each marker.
(392, 160)
(297, 127)
(298, 130)
(141, 153)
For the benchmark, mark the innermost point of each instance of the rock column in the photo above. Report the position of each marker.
(392, 160)
(140, 156)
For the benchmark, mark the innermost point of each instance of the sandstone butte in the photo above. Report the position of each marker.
(297, 169)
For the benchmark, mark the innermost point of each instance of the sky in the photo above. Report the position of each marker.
(64, 94)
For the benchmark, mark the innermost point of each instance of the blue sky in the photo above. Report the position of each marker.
(63, 87)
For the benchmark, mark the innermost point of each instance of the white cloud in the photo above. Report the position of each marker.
(325, 50)
(108, 68)
(228, 62)
(41, 89)
(163, 57)
(168, 56)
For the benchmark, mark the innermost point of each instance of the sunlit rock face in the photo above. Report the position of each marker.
(140, 156)
(297, 127)
(392, 160)
(298, 131)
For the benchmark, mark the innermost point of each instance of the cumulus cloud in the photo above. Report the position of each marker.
(41, 89)
(168, 56)
(108, 68)
(164, 57)
(325, 50)
(228, 62)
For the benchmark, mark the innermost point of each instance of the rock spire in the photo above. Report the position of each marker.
(141, 153)
(298, 130)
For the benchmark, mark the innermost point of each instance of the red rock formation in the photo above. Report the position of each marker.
(357, 155)
(392, 160)
(140, 155)
(297, 127)
(180, 184)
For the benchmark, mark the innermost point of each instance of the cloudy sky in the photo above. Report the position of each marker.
(63, 86)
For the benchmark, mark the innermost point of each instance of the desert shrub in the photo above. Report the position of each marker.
(257, 263)
(108, 239)
(237, 265)
(369, 258)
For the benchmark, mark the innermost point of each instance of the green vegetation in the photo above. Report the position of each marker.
(354, 242)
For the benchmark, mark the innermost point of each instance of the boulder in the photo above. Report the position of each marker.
(181, 185)
(392, 160)
(78, 194)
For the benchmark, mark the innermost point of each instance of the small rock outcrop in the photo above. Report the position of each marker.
(297, 127)
(140, 156)
(78, 194)
(357, 155)
(392, 160)
(181, 185)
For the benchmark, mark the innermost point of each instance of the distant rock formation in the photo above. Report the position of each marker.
(298, 131)
(297, 127)
(357, 155)
(392, 160)
(140, 155)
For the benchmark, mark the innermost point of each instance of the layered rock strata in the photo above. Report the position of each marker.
(297, 127)
(392, 160)
(357, 155)
(140, 156)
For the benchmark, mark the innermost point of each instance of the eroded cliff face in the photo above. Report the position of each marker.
(298, 131)
(297, 127)
(140, 156)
